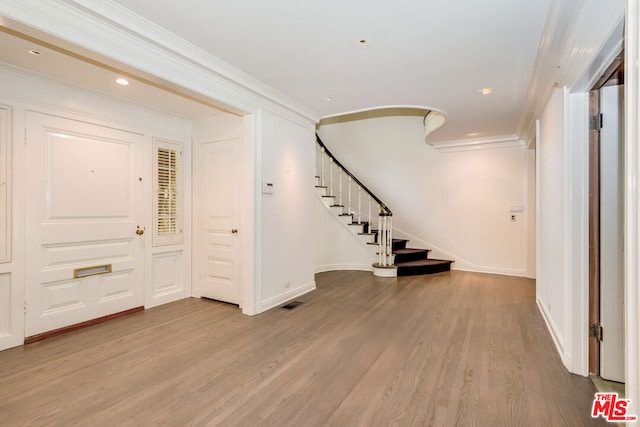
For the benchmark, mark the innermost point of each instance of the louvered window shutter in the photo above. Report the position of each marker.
(167, 193)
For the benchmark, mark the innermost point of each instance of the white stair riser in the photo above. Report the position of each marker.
(346, 219)
(337, 210)
(366, 238)
(328, 201)
(385, 272)
(356, 228)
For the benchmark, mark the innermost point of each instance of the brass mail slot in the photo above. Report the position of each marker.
(91, 271)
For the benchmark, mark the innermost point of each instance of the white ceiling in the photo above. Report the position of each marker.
(57, 65)
(432, 53)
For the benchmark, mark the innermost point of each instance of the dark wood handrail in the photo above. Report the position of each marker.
(386, 210)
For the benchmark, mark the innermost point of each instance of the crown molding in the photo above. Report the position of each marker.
(575, 35)
(486, 143)
(108, 33)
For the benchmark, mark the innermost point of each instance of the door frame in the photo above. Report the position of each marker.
(249, 206)
(594, 232)
(614, 73)
(215, 146)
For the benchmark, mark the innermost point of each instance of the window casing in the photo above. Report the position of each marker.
(167, 194)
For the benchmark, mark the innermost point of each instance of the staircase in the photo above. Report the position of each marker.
(412, 262)
(359, 216)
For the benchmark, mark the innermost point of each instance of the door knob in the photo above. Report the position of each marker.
(139, 231)
(234, 231)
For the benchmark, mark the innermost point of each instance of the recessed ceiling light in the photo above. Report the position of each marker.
(122, 81)
(329, 98)
(485, 91)
(362, 42)
(34, 52)
(473, 134)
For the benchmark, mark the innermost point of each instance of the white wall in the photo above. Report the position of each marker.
(285, 264)
(550, 289)
(455, 203)
(531, 214)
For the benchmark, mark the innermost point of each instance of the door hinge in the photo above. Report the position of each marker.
(595, 122)
(596, 331)
(25, 306)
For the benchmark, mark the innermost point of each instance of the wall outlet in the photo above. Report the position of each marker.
(287, 284)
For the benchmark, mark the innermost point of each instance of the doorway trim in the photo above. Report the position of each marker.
(611, 74)
(576, 180)
(632, 209)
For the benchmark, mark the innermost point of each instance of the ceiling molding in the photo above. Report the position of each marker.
(486, 143)
(576, 32)
(106, 32)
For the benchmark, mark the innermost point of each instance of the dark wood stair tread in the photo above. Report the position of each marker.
(410, 251)
(419, 262)
(424, 266)
(410, 254)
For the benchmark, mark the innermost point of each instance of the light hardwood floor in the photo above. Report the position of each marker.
(453, 349)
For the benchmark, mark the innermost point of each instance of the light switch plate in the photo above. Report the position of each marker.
(267, 187)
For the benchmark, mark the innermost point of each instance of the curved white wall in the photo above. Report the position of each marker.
(336, 248)
(456, 203)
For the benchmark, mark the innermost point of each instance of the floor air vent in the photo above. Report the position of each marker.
(292, 305)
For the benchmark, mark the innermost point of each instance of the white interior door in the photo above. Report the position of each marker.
(612, 233)
(218, 215)
(85, 201)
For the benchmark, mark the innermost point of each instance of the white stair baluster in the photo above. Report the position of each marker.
(380, 240)
(322, 166)
(340, 187)
(369, 217)
(331, 176)
(317, 160)
(359, 205)
(349, 184)
(384, 244)
(390, 240)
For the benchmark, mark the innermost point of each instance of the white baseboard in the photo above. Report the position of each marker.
(287, 296)
(460, 264)
(337, 267)
(555, 334)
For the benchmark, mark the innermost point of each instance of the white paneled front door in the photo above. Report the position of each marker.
(218, 210)
(85, 202)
